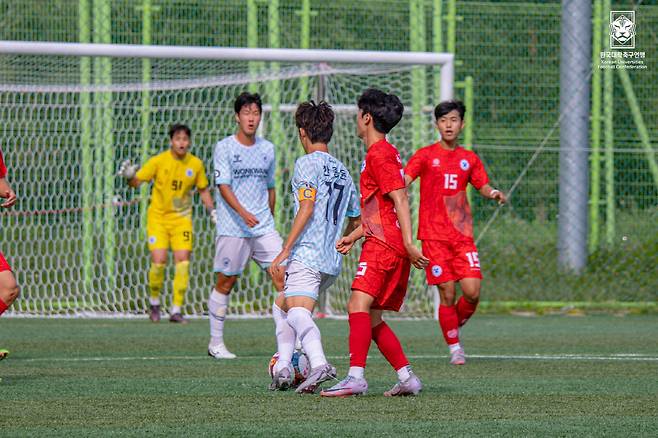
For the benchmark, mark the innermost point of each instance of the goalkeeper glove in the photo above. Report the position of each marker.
(128, 170)
(213, 216)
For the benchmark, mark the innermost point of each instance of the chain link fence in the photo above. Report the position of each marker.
(511, 50)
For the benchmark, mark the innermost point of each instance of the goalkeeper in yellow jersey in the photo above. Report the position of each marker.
(175, 173)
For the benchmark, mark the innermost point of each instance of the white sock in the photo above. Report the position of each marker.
(404, 373)
(285, 338)
(217, 307)
(356, 372)
(175, 309)
(454, 347)
(154, 301)
(301, 321)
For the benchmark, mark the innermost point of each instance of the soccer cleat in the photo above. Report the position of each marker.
(457, 357)
(177, 318)
(282, 380)
(154, 313)
(317, 376)
(3, 353)
(220, 351)
(411, 386)
(346, 387)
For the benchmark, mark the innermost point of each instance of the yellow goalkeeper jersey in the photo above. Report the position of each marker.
(173, 181)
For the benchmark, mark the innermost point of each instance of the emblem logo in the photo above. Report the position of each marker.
(622, 29)
(436, 162)
(437, 271)
(464, 165)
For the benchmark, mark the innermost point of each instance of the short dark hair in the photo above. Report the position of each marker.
(247, 98)
(173, 129)
(385, 109)
(446, 106)
(317, 120)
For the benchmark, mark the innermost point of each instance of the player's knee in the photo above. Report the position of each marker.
(9, 293)
(472, 295)
(225, 283)
(14, 291)
(447, 294)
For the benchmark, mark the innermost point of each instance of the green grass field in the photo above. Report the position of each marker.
(590, 375)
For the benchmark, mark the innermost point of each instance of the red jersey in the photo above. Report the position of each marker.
(381, 173)
(444, 174)
(3, 169)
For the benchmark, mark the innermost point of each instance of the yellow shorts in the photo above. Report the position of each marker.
(176, 233)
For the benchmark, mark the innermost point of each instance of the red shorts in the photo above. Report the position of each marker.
(383, 274)
(4, 266)
(451, 261)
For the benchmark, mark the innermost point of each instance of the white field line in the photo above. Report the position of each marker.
(529, 357)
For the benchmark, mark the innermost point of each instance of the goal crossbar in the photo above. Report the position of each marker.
(444, 60)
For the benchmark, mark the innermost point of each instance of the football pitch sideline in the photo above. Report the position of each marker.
(593, 375)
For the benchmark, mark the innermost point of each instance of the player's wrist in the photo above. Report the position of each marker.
(493, 193)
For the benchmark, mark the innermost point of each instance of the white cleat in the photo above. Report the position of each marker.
(220, 351)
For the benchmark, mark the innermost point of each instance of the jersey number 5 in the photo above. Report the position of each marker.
(339, 198)
(176, 184)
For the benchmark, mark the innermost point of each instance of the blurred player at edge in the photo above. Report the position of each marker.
(381, 279)
(324, 195)
(445, 223)
(175, 173)
(8, 284)
(244, 172)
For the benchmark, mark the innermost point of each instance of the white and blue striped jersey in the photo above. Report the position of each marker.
(336, 197)
(249, 170)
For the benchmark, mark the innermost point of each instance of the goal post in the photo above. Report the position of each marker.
(76, 238)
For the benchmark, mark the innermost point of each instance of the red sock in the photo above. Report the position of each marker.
(360, 338)
(449, 323)
(389, 345)
(465, 310)
(3, 307)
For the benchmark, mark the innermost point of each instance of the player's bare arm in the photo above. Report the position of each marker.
(489, 192)
(408, 180)
(401, 201)
(353, 233)
(302, 217)
(208, 203)
(232, 200)
(271, 199)
(7, 193)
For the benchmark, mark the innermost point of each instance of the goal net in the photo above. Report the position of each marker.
(72, 112)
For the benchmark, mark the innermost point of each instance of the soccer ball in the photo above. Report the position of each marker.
(300, 366)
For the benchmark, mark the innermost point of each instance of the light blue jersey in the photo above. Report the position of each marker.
(249, 170)
(336, 197)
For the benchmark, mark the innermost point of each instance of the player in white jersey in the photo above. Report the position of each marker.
(244, 173)
(324, 195)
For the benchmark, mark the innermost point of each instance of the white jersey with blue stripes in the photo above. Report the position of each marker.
(249, 170)
(336, 197)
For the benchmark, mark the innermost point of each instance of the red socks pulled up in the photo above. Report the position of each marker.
(465, 310)
(360, 338)
(389, 345)
(449, 323)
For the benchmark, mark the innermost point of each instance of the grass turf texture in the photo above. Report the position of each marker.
(132, 377)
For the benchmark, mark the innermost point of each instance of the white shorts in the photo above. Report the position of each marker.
(233, 253)
(302, 281)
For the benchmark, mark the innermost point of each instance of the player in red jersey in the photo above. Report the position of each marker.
(445, 223)
(388, 251)
(8, 284)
